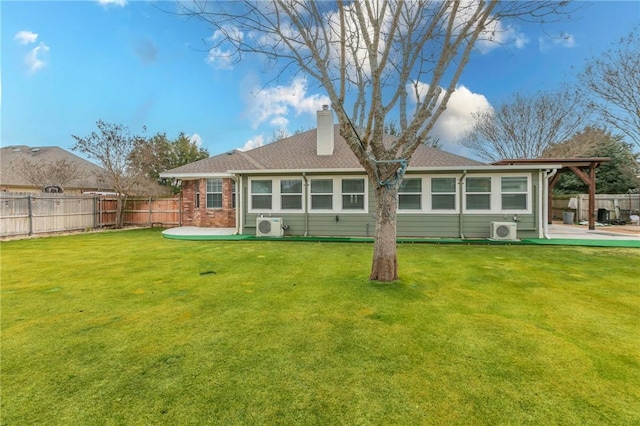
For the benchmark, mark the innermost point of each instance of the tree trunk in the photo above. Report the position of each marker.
(120, 205)
(385, 259)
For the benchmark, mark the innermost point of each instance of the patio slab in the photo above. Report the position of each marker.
(559, 235)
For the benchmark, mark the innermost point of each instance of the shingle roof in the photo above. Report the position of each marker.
(298, 152)
(12, 156)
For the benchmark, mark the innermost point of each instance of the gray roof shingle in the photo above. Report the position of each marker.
(11, 159)
(298, 152)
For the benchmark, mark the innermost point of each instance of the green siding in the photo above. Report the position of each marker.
(425, 225)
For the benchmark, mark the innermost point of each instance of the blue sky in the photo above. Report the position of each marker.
(65, 65)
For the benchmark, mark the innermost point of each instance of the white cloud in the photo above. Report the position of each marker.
(217, 56)
(563, 40)
(253, 143)
(280, 122)
(275, 104)
(496, 35)
(34, 59)
(457, 119)
(120, 3)
(196, 139)
(220, 59)
(26, 37)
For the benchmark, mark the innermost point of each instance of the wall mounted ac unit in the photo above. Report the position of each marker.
(269, 227)
(505, 231)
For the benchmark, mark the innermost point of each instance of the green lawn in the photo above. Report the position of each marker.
(130, 328)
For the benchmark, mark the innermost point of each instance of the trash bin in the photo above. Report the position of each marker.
(603, 216)
(567, 218)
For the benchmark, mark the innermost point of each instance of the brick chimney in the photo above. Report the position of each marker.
(324, 144)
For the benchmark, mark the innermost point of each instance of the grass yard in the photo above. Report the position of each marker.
(130, 328)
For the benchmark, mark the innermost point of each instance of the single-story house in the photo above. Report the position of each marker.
(312, 184)
(87, 177)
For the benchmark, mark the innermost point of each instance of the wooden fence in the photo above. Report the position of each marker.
(623, 205)
(24, 214)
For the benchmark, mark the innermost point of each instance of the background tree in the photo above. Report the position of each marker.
(48, 173)
(158, 154)
(616, 176)
(111, 147)
(613, 82)
(524, 127)
(374, 59)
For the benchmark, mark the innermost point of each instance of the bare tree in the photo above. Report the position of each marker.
(279, 134)
(374, 59)
(111, 147)
(614, 82)
(524, 127)
(582, 144)
(616, 176)
(49, 173)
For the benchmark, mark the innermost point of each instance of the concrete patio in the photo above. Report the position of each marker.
(556, 231)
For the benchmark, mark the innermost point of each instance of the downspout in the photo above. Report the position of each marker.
(239, 222)
(545, 196)
(461, 212)
(306, 204)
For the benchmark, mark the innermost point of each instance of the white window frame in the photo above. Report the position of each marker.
(276, 195)
(527, 193)
(324, 194)
(456, 195)
(426, 200)
(291, 194)
(488, 193)
(336, 200)
(420, 194)
(496, 194)
(356, 194)
(221, 193)
(251, 194)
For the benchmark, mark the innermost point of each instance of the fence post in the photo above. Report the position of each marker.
(95, 212)
(150, 211)
(29, 204)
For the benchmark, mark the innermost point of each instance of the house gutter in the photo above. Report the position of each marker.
(360, 170)
(306, 204)
(461, 211)
(545, 196)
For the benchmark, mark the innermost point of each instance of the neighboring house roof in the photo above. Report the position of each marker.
(11, 158)
(299, 152)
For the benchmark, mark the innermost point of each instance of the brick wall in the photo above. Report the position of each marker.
(202, 216)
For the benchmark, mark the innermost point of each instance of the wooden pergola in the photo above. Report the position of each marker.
(584, 168)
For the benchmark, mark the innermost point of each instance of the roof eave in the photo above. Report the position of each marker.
(195, 175)
(462, 168)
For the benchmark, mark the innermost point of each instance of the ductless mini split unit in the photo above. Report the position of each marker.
(269, 227)
(504, 231)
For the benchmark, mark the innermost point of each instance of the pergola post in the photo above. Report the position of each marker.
(590, 180)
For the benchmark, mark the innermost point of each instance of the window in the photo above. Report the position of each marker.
(514, 193)
(291, 194)
(214, 193)
(443, 193)
(478, 191)
(352, 194)
(233, 194)
(321, 194)
(196, 186)
(410, 194)
(261, 191)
